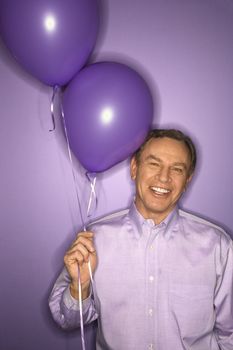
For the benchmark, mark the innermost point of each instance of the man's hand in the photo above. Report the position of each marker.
(81, 251)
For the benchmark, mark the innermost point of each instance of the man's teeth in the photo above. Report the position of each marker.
(160, 190)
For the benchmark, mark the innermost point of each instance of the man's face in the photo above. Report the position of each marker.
(161, 176)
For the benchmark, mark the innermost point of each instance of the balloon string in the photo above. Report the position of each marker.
(71, 163)
(92, 181)
(55, 89)
(92, 195)
(81, 304)
(81, 310)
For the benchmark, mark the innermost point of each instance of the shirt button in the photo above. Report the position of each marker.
(150, 311)
(151, 278)
(150, 347)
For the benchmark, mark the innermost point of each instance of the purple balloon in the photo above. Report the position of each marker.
(52, 39)
(108, 110)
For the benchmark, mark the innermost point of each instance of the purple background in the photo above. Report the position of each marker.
(184, 49)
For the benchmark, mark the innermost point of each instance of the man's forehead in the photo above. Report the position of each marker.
(166, 147)
(151, 157)
(165, 143)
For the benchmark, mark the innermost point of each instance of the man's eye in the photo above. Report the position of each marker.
(154, 164)
(178, 170)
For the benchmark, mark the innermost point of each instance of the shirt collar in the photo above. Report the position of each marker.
(169, 224)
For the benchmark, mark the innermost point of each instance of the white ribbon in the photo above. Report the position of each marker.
(92, 196)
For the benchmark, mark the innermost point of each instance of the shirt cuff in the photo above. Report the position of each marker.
(73, 304)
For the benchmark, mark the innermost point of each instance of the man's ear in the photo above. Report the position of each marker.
(133, 168)
(189, 179)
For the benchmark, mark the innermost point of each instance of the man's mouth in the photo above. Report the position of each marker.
(160, 190)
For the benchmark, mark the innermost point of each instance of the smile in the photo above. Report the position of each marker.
(160, 190)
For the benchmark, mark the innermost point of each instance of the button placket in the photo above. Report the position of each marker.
(151, 284)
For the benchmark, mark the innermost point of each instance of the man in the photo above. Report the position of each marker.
(164, 278)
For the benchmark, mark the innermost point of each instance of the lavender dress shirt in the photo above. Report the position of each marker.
(163, 287)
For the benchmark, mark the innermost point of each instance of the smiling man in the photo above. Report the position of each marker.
(163, 278)
(162, 171)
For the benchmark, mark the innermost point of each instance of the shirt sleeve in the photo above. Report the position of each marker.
(65, 309)
(224, 302)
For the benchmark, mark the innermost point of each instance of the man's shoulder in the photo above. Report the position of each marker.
(200, 224)
(110, 219)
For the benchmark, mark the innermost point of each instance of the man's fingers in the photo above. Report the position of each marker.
(73, 258)
(84, 251)
(83, 241)
(78, 256)
(81, 249)
(87, 234)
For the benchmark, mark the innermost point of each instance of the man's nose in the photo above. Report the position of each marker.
(164, 175)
